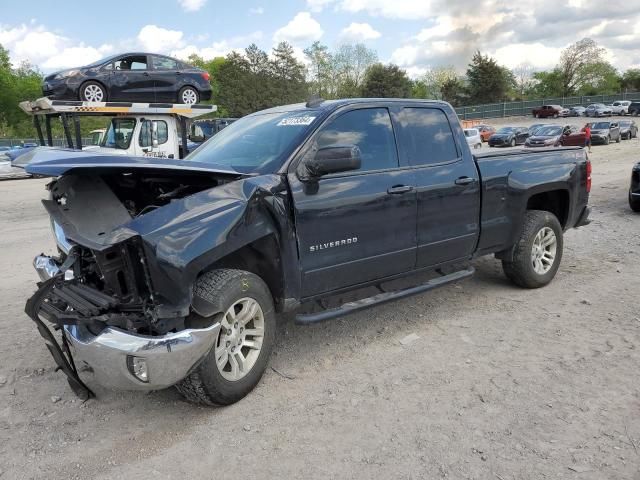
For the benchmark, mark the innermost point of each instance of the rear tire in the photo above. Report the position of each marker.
(224, 382)
(634, 203)
(538, 251)
(188, 96)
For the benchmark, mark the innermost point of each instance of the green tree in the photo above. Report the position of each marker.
(322, 74)
(386, 81)
(631, 79)
(577, 65)
(212, 66)
(434, 80)
(547, 84)
(454, 92)
(350, 64)
(600, 78)
(488, 81)
(289, 75)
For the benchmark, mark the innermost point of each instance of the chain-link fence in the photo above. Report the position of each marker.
(512, 109)
(22, 142)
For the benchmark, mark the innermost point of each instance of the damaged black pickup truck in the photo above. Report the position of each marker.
(171, 272)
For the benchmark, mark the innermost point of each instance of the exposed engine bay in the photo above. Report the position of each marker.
(104, 278)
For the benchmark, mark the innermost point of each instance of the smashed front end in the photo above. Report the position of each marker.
(118, 302)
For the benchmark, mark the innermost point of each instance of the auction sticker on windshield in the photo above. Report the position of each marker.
(304, 120)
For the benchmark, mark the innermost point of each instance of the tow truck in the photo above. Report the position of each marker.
(158, 130)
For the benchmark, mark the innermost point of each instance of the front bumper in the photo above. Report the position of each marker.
(60, 89)
(106, 359)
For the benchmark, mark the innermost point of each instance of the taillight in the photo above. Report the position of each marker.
(588, 176)
(205, 75)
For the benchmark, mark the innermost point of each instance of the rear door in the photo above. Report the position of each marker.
(132, 79)
(357, 226)
(165, 72)
(447, 183)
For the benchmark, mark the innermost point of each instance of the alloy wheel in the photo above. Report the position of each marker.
(93, 93)
(189, 96)
(543, 251)
(240, 339)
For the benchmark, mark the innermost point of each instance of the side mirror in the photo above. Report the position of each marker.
(334, 159)
(613, 125)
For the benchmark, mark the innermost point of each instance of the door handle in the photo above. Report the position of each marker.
(399, 189)
(464, 180)
(146, 74)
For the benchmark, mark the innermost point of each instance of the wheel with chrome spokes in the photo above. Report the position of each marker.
(543, 252)
(241, 303)
(93, 92)
(537, 252)
(240, 339)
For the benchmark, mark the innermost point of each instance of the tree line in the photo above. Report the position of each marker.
(251, 80)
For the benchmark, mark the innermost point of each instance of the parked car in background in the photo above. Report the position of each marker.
(509, 137)
(473, 137)
(573, 136)
(547, 136)
(620, 107)
(634, 108)
(634, 188)
(628, 129)
(134, 77)
(605, 132)
(486, 131)
(597, 110)
(536, 126)
(577, 111)
(547, 111)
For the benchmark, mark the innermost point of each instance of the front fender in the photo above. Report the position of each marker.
(187, 236)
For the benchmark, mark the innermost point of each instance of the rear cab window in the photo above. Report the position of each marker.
(426, 137)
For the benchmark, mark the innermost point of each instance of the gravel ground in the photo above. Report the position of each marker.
(501, 383)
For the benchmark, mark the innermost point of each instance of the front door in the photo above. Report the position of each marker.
(166, 142)
(165, 74)
(357, 226)
(447, 185)
(132, 80)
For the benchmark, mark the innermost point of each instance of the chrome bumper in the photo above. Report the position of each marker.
(108, 358)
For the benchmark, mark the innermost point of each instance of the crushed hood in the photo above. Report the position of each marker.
(54, 162)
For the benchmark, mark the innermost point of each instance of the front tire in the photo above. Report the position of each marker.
(240, 354)
(634, 203)
(93, 92)
(607, 140)
(618, 139)
(188, 96)
(538, 251)
(513, 142)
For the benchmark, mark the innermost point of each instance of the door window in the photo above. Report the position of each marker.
(133, 62)
(164, 63)
(426, 136)
(370, 130)
(146, 139)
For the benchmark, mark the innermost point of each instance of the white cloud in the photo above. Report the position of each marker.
(301, 29)
(76, 56)
(220, 48)
(158, 39)
(256, 11)
(405, 9)
(192, 5)
(318, 5)
(357, 32)
(536, 54)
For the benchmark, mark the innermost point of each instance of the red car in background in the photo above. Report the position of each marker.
(573, 137)
(485, 131)
(547, 111)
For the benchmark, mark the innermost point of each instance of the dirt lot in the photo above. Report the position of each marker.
(502, 383)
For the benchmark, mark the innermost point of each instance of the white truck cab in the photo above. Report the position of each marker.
(135, 129)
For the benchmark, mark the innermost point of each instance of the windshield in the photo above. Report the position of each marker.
(470, 133)
(95, 138)
(119, 133)
(600, 126)
(506, 130)
(256, 144)
(548, 131)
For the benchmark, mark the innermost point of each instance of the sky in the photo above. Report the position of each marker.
(414, 34)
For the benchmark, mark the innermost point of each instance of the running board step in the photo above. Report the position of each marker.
(350, 307)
